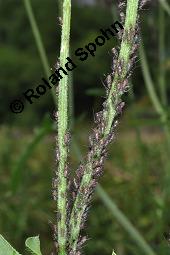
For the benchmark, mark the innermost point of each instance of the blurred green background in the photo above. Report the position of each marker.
(137, 171)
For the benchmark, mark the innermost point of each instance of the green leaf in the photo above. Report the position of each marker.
(33, 243)
(6, 248)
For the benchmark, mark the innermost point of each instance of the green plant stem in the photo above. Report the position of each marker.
(38, 41)
(80, 203)
(161, 78)
(159, 109)
(149, 83)
(126, 224)
(153, 96)
(71, 96)
(124, 57)
(62, 131)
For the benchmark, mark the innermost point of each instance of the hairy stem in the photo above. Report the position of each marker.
(62, 132)
(110, 113)
(124, 57)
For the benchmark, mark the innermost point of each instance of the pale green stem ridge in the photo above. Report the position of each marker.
(62, 131)
(124, 57)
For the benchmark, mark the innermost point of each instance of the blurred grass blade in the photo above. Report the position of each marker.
(6, 248)
(37, 37)
(162, 112)
(125, 223)
(149, 83)
(19, 166)
(162, 71)
(165, 5)
(38, 41)
(33, 244)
